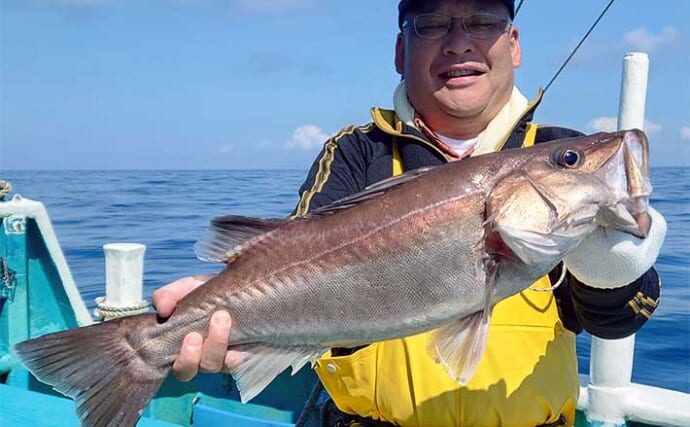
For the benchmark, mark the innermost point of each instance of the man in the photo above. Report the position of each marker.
(457, 99)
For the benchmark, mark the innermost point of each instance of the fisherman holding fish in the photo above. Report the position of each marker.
(457, 98)
(449, 296)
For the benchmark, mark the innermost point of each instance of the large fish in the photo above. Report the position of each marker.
(433, 249)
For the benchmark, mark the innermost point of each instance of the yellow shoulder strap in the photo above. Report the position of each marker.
(530, 135)
(398, 168)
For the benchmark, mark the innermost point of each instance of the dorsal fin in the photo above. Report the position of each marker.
(227, 235)
(370, 192)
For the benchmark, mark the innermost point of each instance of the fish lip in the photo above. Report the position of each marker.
(628, 172)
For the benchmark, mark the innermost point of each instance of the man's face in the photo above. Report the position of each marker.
(456, 76)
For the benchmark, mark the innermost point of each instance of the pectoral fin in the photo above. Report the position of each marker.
(460, 345)
(263, 363)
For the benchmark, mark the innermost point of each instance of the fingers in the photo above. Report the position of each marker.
(165, 299)
(232, 360)
(216, 343)
(205, 355)
(186, 365)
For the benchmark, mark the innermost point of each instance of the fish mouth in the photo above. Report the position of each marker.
(620, 218)
(627, 172)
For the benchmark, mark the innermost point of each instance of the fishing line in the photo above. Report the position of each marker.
(601, 15)
(517, 9)
(555, 285)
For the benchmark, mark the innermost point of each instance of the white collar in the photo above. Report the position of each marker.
(489, 139)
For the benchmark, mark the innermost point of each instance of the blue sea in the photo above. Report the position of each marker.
(168, 210)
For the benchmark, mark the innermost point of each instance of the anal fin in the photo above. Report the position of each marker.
(262, 363)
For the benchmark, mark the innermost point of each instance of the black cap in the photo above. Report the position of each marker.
(407, 6)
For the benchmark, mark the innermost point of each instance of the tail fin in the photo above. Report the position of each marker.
(99, 366)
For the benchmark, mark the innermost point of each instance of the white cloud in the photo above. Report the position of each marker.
(642, 39)
(307, 137)
(685, 132)
(275, 6)
(227, 149)
(610, 124)
(603, 124)
(651, 127)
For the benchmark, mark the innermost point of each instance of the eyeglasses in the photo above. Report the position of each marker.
(476, 25)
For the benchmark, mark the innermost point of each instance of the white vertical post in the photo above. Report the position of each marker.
(611, 361)
(631, 110)
(124, 271)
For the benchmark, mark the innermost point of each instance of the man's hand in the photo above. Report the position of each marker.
(610, 259)
(209, 354)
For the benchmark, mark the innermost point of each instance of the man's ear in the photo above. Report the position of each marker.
(400, 55)
(515, 49)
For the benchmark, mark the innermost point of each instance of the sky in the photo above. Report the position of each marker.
(261, 84)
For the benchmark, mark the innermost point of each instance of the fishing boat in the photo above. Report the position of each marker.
(38, 296)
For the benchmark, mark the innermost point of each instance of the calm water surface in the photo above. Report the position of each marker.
(169, 210)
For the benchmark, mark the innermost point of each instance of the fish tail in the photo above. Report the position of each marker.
(107, 368)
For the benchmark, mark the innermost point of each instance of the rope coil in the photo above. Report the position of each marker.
(5, 188)
(106, 312)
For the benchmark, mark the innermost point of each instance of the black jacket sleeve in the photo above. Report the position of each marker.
(607, 313)
(338, 171)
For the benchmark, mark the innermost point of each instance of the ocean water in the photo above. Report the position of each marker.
(168, 210)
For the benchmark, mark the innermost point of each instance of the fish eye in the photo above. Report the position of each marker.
(570, 158)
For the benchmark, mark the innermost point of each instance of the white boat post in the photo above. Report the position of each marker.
(124, 272)
(611, 398)
(611, 361)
